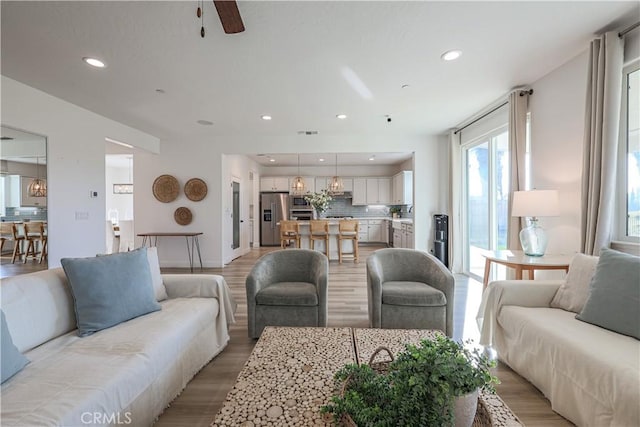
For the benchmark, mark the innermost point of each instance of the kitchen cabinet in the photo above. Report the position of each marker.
(408, 236)
(309, 184)
(25, 199)
(403, 188)
(274, 183)
(378, 191)
(359, 192)
(403, 234)
(363, 231)
(375, 230)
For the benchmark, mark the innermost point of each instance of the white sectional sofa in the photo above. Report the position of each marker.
(126, 374)
(591, 375)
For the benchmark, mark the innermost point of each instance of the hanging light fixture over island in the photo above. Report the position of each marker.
(336, 186)
(37, 187)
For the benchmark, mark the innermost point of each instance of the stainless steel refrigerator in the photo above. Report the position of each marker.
(274, 207)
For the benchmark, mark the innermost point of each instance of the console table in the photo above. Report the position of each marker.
(289, 376)
(152, 238)
(521, 262)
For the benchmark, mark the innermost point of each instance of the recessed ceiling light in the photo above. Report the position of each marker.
(204, 122)
(321, 159)
(160, 90)
(450, 55)
(94, 62)
(404, 86)
(265, 117)
(341, 116)
(272, 159)
(372, 158)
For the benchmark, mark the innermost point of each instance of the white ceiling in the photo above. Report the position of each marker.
(297, 61)
(330, 159)
(22, 147)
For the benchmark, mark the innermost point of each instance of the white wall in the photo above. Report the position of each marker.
(75, 164)
(557, 109)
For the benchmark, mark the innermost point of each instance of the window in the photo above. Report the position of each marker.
(629, 159)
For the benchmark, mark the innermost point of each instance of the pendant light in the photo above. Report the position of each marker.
(37, 187)
(125, 188)
(298, 182)
(336, 186)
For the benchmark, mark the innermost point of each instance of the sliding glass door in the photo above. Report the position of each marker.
(486, 195)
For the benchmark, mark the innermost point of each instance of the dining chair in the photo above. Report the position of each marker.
(348, 230)
(289, 232)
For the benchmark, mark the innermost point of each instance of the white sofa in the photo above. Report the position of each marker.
(126, 374)
(590, 375)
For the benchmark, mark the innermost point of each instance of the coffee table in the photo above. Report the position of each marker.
(289, 376)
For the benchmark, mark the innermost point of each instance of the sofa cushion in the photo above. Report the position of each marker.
(288, 293)
(615, 294)
(412, 293)
(12, 360)
(156, 277)
(110, 289)
(574, 292)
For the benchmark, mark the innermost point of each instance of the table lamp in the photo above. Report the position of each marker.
(534, 204)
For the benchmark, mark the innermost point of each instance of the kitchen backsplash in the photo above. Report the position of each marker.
(21, 214)
(343, 207)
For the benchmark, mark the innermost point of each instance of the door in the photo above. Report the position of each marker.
(486, 198)
(236, 218)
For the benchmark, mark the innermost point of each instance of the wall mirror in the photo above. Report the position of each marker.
(23, 202)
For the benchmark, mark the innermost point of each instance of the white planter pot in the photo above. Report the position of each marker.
(465, 409)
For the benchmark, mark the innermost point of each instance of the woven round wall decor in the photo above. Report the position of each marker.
(166, 188)
(195, 189)
(183, 216)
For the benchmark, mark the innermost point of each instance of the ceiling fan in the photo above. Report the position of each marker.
(228, 13)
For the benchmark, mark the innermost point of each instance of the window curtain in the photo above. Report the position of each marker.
(518, 107)
(455, 197)
(600, 148)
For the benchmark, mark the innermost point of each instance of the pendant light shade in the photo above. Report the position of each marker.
(125, 188)
(298, 186)
(37, 187)
(336, 186)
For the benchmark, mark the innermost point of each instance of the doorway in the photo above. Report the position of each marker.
(236, 218)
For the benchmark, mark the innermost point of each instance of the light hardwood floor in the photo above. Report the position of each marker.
(200, 401)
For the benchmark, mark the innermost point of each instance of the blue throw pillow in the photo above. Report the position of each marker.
(111, 289)
(614, 298)
(12, 360)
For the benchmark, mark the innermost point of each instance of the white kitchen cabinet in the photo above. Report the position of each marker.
(403, 188)
(409, 241)
(359, 192)
(25, 199)
(12, 191)
(375, 230)
(378, 191)
(274, 183)
(309, 184)
(397, 238)
(363, 231)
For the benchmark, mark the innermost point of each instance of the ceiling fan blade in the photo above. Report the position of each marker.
(229, 16)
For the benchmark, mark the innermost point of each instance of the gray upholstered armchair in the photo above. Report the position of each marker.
(409, 289)
(287, 288)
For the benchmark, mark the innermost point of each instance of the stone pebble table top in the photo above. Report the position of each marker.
(289, 376)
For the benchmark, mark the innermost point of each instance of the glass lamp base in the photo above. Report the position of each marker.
(533, 239)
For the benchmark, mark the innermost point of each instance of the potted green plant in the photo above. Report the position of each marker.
(319, 200)
(419, 389)
(395, 211)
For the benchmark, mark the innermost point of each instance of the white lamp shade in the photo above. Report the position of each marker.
(535, 203)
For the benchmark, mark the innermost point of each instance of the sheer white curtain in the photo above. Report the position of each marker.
(602, 119)
(518, 108)
(455, 198)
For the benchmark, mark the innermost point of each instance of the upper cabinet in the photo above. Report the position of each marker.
(378, 191)
(274, 183)
(403, 188)
(359, 191)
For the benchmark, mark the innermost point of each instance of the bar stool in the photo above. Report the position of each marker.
(5, 234)
(36, 241)
(289, 231)
(319, 230)
(18, 241)
(348, 230)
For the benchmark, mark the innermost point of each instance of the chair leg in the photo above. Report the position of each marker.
(31, 250)
(326, 245)
(339, 250)
(355, 250)
(17, 251)
(43, 252)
